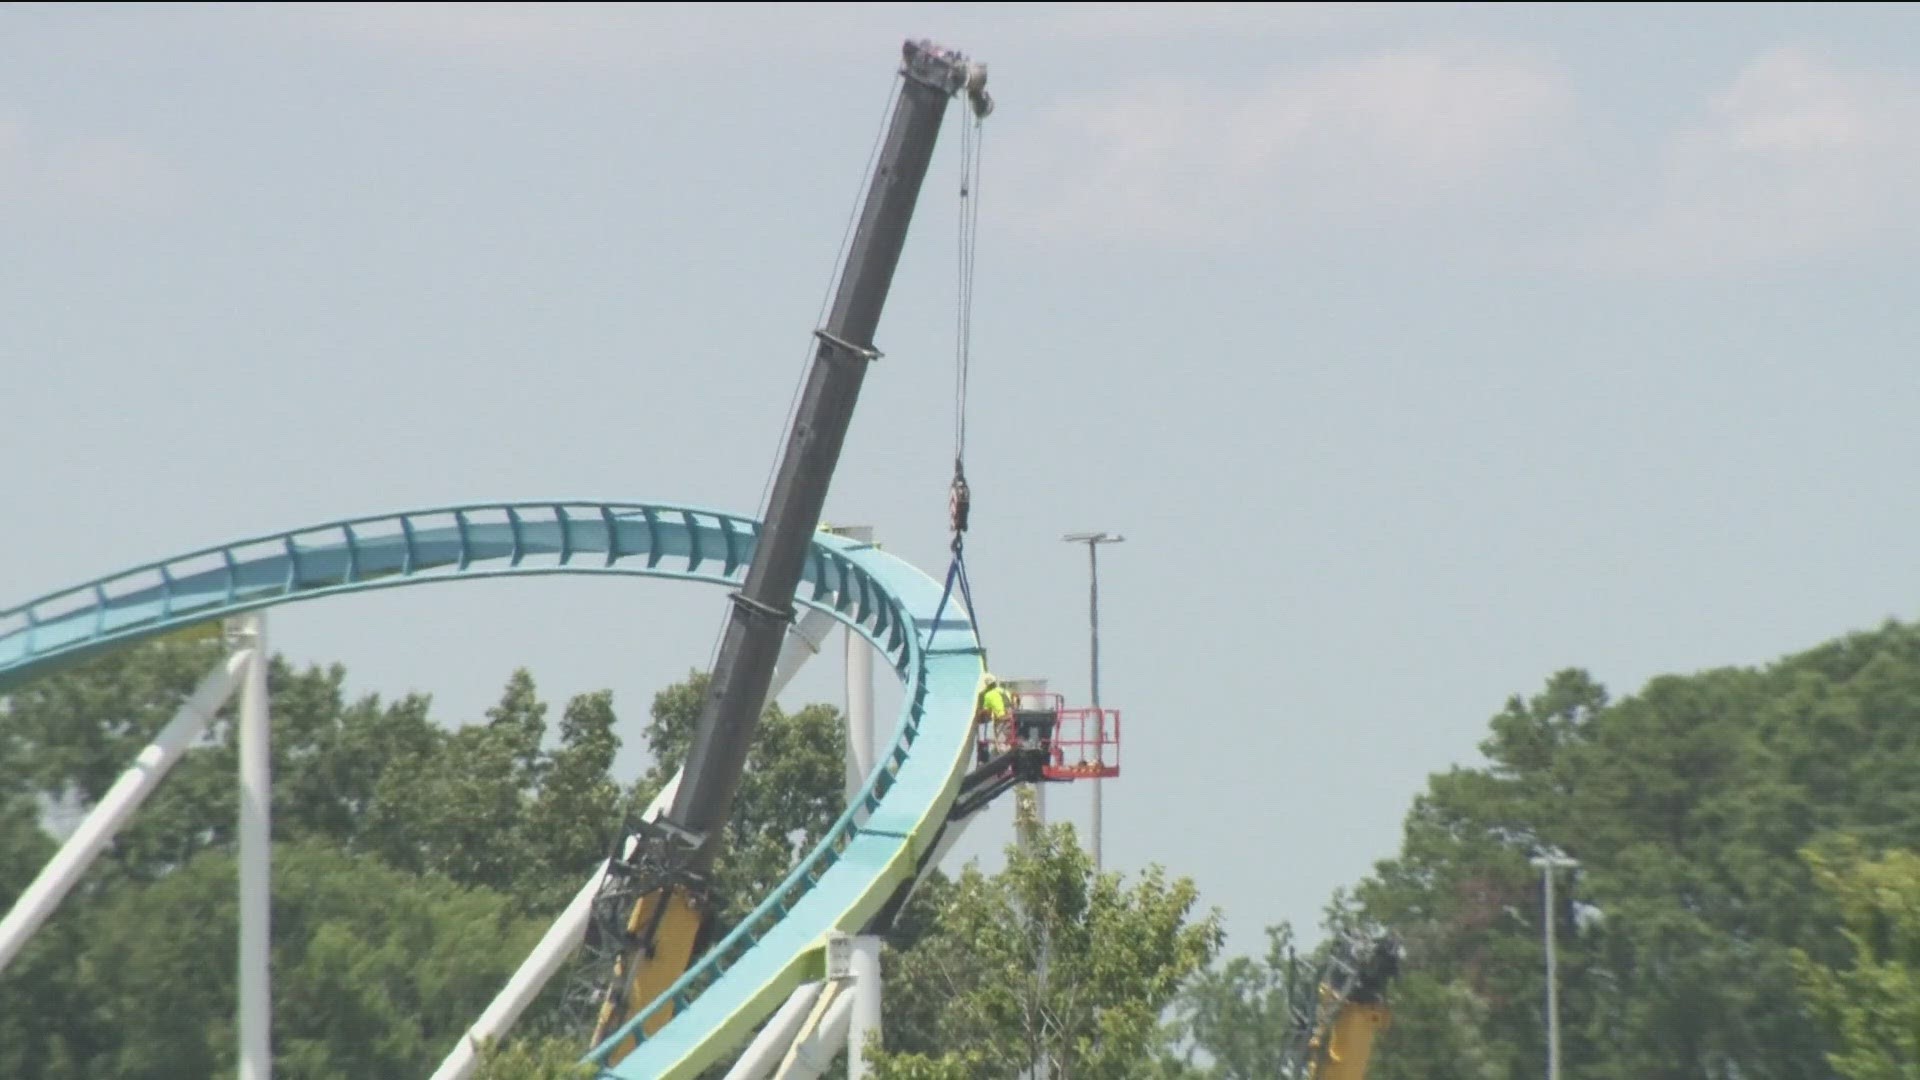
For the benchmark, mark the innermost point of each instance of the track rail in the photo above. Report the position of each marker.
(875, 847)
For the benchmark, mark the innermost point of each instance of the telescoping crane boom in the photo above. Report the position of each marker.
(665, 865)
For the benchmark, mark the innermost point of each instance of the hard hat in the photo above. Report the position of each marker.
(990, 680)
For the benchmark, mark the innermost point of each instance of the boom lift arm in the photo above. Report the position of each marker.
(667, 868)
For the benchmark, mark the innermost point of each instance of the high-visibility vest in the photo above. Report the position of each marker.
(997, 703)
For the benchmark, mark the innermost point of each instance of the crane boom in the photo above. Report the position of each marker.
(763, 607)
(673, 856)
(765, 604)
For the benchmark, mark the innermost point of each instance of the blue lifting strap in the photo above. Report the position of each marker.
(957, 572)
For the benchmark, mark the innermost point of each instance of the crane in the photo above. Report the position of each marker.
(653, 913)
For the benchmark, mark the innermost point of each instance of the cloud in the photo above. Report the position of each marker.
(1796, 159)
(44, 171)
(1364, 140)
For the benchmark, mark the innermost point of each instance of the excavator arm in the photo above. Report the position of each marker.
(1352, 1007)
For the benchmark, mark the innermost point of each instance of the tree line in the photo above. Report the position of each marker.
(1746, 902)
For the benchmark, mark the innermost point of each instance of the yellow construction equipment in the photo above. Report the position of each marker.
(1352, 1007)
(675, 921)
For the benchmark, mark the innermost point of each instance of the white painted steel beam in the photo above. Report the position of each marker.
(777, 1036)
(256, 857)
(554, 948)
(820, 1042)
(119, 803)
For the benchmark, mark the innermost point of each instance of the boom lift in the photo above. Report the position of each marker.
(1051, 744)
(659, 880)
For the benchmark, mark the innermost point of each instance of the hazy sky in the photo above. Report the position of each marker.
(1418, 351)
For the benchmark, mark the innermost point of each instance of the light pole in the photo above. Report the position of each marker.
(1548, 864)
(1093, 542)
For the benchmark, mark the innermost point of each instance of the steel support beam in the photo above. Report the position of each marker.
(256, 858)
(865, 1019)
(62, 871)
(771, 1045)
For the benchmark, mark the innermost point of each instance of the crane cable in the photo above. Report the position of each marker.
(959, 494)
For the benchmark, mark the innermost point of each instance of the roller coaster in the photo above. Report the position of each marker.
(674, 1002)
(878, 846)
(671, 1001)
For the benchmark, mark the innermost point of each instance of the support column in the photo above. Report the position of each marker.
(256, 802)
(866, 1003)
(559, 942)
(1031, 694)
(859, 712)
(777, 1037)
(865, 956)
(820, 1039)
(114, 808)
(859, 687)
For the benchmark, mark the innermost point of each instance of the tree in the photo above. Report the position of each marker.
(551, 1058)
(1870, 1003)
(1239, 1017)
(432, 858)
(1687, 805)
(40, 992)
(376, 971)
(1114, 958)
(414, 864)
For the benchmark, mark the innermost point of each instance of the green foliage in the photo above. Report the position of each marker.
(554, 1058)
(1237, 1017)
(1870, 1001)
(1687, 806)
(414, 866)
(1114, 957)
(485, 805)
(1723, 822)
(376, 971)
(39, 994)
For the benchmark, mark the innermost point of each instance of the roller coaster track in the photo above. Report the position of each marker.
(878, 845)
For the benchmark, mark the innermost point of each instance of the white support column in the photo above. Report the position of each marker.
(866, 1003)
(771, 1044)
(1031, 694)
(859, 712)
(864, 1012)
(803, 642)
(256, 854)
(859, 688)
(555, 946)
(119, 803)
(820, 1041)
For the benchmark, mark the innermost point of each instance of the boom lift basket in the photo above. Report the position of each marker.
(1070, 744)
(1086, 744)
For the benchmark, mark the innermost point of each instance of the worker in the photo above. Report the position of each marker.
(996, 709)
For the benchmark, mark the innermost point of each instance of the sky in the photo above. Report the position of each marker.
(1418, 351)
